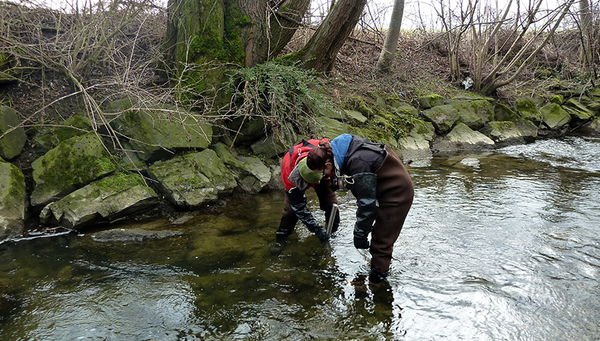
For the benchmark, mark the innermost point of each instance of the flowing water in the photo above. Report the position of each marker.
(498, 246)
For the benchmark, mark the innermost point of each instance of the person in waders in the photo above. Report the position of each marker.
(297, 177)
(383, 189)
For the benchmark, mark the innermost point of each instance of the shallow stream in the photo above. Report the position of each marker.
(498, 246)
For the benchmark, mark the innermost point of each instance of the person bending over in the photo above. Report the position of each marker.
(297, 177)
(382, 187)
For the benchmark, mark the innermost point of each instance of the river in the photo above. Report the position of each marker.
(497, 246)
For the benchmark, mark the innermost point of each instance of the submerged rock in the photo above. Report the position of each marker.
(107, 199)
(132, 235)
(13, 201)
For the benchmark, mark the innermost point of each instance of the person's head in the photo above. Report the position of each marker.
(320, 159)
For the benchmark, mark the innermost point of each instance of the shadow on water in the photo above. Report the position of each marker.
(499, 245)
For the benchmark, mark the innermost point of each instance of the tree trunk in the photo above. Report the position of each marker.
(244, 32)
(391, 39)
(585, 19)
(321, 50)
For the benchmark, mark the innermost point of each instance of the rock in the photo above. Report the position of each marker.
(130, 235)
(404, 109)
(475, 114)
(70, 165)
(13, 201)
(272, 146)
(107, 199)
(275, 183)
(251, 174)
(506, 132)
(422, 129)
(591, 128)
(332, 128)
(554, 116)
(13, 142)
(462, 138)
(247, 129)
(153, 132)
(504, 113)
(412, 149)
(442, 117)
(190, 180)
(354, 117)
(527, 108)
(430, 101)
(577, 110)
(49, 137)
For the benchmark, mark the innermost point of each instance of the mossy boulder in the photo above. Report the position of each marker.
(430, 101)
(442, 117)
(107, 199)
(193, 179)
(72, 164)
(474, 114)
(12, 143)
(577, 110)
(404, 109)
(558, 99)
(462, 138)
(354, 117)
(13, 201)
(527, 108)
(422, 129)
(508, 132)
(504, 113)
(49, 137)
(332, 128)
(252, 175)
(554, 116)
(156, 131)
(591, 128)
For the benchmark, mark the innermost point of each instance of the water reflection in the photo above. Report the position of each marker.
(500, 245)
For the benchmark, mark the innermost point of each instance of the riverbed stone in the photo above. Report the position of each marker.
(132, 235)
(554, 116)
(193, 179)
(474, 113)
(13, 201)
(251, 173)
(507, 132)
(158, 131)
(70, 165)
(527, 108)
(13, 142)
(107, 199)
(462, 138)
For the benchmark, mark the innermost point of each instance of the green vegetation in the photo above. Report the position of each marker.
(279, 93)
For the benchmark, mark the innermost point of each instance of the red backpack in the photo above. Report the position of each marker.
(291, 159)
